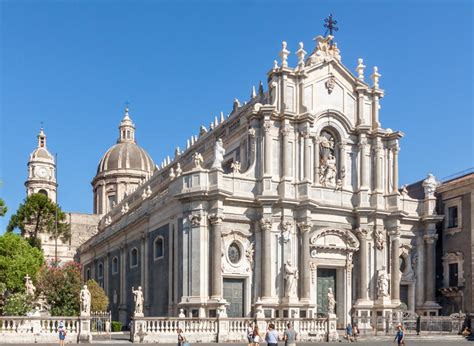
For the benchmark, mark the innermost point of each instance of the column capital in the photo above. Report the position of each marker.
(304, 133)
(362, 143)
(252, 132)
(267, 125)
(216, 218)
(305, 226)
(285, 131)
(195, 219)
(430, 238)
(266, 224)
(394, 232)
(362, 233)
(342, 144)
(395, 149)
(286, 225)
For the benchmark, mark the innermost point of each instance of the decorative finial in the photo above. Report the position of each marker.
(177, 152)
(236, 105)
(330, 25)
(360, 69)
(254, 93)
(216, 122)
(284, 55)
(202, 130)
(300, 53)
(375, 77)
(222, 117)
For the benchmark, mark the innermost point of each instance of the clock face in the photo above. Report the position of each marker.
(234, 253)
(42, 172)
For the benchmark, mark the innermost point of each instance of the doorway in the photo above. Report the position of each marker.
(326, 280)
(234, 294)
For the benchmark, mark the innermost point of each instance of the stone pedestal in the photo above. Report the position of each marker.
(138, 331)
(333, 335)
(84, 335)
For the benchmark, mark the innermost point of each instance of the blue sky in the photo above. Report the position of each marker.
(74, 64)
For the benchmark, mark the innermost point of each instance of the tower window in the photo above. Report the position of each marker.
(111, 201)
(134, 258)
(158, 248)
(115, 265)
(452, 217)
(88, 274)
(43, 192)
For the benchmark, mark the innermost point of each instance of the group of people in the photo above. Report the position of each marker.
(352, 332)
(271, 336)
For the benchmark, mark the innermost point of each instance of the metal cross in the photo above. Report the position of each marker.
(330, 24)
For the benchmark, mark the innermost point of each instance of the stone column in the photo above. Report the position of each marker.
(378, 166)
(285, 155)
(430, 279)
(342, 161)
(420, 270)
(216, 255)
(103, 208)
(307, 152)
(363, 281)
(316, 160)
(363, 163)
(268, 149)
(395, 261)
(395, 169)
(305, 273)
(266, 225)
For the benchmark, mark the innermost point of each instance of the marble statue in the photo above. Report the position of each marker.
(291, 278)
(138, 300)
(331, 302)
(30, 289)
(219, 152)
(181, 313)
(382, 284)
(429, 185)
(328, 172)
(197, 157)
(85, 298)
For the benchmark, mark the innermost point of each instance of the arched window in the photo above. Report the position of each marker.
(100, 271)
(88, 274)
(43, 192)
(158, 248)
(115, 265)
(134, 257)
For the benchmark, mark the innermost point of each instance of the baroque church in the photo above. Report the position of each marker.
(293, 194)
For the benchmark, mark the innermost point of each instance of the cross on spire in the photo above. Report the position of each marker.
(330, 24)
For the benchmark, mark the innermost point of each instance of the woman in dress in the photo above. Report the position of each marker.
(256, 336)
(181, 339)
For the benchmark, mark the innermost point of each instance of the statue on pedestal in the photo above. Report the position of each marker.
(291, 277)
(138, 300)
(219, 152)
(382, 284)
(331, 302)
(85, 297)
(30, 289)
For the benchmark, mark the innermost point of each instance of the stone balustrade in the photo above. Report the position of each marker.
(22, 329)
(197, 330)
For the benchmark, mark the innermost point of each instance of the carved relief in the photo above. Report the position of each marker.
(266, 224)
(330, 84)
(237, 253)
(195, 219)
(324, 50)
(379, 238)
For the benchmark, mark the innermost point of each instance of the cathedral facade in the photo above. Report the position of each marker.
(294, 194)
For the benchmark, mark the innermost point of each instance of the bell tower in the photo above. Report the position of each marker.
(41, 170)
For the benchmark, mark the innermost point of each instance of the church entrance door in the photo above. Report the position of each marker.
(326, 280)
(234, 294)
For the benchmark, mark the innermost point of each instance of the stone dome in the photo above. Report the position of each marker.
(126, 156)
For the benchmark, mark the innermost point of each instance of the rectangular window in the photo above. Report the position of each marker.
(111, 199)
(453, 275)
(452, 217)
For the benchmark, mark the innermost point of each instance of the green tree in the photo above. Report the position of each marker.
(18, 259)
(3, 208)
(17, 304)
(61, 286)
(99, 301)
(37, 214)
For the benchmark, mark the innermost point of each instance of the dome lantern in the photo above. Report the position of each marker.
(126, 129)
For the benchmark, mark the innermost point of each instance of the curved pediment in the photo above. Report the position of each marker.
(335, 239)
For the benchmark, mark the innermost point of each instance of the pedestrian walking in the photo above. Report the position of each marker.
(250, 334)
(182, 341)
(355, 332)
(349, 332)
(255, 336)
(271, 337)
(62, 333)
(290, 335)
(400, 336)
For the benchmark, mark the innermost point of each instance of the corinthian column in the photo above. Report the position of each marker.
(378, 166)
(266, 225)
(307, 158)
(430, 280)
(364, 287)
(268, 149)
(395, 169)
(216, 255)
(305, 277)
(395, 260)
(364, 174)
(285, 155)
(316, 160)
